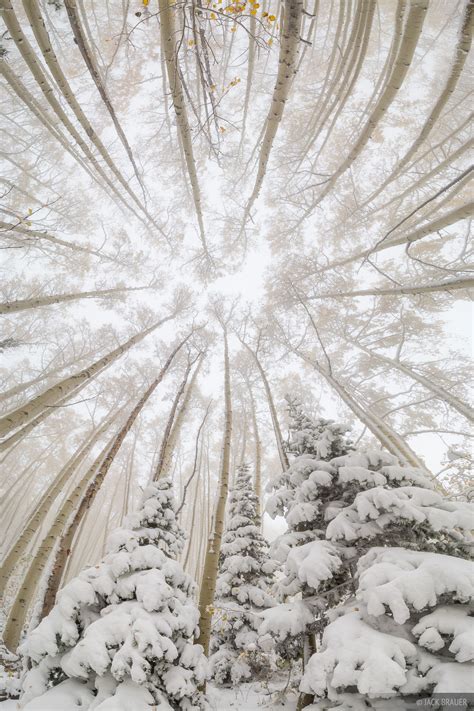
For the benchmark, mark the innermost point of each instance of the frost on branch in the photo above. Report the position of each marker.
(245, 575)
(123, 630)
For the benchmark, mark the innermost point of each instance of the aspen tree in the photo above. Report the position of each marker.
(67, 386)
(48, 122)
(88, 56)
(82, 496)
(30, 239)
(336, 62)
(36, 302)
(355, 66)
(412, 31)
(447, 285)
(44, 505)
(250, 73)
(66, 542)
(9, 506)
(286, 71)
(164, 464)
(381, 430)
(390, 59)
(450, 218)
(460, 56)
(46, 373)
(329, 90)
(273, 413)
(9, 443)
(463, 149)
(258, 450)
(168, 45)
(197, 463)
(211, 561)
(169, 423)
(35, 17)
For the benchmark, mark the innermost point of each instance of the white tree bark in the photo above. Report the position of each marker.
(49, 398)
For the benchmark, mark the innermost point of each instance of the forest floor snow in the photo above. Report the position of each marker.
(248, 697)
(245, 697)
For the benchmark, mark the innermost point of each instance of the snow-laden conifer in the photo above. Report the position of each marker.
(121, 633)
(245, 576)
(407, 633)
(339, 509)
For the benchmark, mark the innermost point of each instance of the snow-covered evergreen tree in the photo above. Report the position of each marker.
(338, 509)
(297, 497)
(121, 634)
(245, 576)
(323, 438)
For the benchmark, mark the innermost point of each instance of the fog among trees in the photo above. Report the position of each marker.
(235, 424)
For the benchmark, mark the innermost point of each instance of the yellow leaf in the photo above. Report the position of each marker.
(213, 16)
(146, 2)
(272, 18)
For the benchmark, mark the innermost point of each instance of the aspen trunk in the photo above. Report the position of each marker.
(287, 65)
(164, 464)
(166, 450)
(273, 413)
(67, 386)
(168, 44)
(10, 307)
(211, 562)
(258, 452)
(448, 285)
